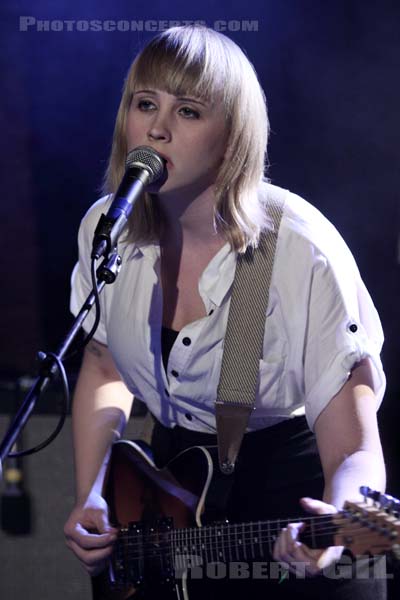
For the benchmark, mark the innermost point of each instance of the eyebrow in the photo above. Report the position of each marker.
(180, 98)
(189, 99)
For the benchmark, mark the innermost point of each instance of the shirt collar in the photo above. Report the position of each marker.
(216, 279)
(149, 251)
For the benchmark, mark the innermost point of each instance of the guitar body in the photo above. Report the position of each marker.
(137, 491)
(170, 524)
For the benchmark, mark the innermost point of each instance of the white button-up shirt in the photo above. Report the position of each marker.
(320, 321)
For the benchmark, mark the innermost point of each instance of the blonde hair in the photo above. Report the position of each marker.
(199, 61)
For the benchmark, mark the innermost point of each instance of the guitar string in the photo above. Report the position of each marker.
(361, 532)
(278, 523)
(275, 524)
(208, 551)
(216, 533)
(231, 529)
(214, 545)
(311, 518)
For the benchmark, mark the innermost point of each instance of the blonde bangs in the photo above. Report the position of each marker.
(192, 62)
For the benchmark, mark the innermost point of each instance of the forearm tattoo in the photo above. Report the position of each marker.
(94, 348)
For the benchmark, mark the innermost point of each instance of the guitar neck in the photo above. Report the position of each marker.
(228, 542)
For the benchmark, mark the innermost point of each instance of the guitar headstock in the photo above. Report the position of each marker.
(371, 526)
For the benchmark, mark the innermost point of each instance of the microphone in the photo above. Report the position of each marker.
(143, 167)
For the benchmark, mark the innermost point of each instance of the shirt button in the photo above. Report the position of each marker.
(353, 327)
(166, 392)
(186, 341)
(211, 312)
(174, 373)
(188, 416)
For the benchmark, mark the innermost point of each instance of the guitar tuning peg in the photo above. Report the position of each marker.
(367, 492)
(390, 504)
(364, 491)
(385, 501)
(374, 495)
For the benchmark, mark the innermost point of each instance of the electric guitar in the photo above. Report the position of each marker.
(162, 535)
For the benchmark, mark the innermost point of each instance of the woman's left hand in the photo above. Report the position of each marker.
(299, 558)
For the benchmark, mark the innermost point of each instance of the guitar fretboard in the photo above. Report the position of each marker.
(227, 542)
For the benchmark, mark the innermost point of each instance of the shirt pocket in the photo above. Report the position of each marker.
(270, 395)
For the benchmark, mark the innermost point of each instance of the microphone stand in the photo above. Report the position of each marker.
(106, 273)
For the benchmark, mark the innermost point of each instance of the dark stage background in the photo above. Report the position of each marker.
(330, 71)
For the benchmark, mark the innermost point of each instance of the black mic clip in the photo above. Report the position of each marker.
(102, 237)
(109, 268)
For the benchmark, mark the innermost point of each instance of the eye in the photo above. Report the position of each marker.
(145, 105)
(189, 113)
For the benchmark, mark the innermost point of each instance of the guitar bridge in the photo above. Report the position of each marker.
(127, 563)
(143, 553)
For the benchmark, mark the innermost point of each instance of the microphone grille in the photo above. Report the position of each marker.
(147, 158)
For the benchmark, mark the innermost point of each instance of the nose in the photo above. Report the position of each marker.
(159, 128)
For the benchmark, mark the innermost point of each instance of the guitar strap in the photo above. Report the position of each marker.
(244, 337)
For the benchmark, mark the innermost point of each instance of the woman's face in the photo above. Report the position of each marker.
(189, 133)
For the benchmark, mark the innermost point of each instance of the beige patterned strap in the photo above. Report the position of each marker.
(244, 337)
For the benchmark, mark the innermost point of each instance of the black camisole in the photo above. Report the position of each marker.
(168, 337)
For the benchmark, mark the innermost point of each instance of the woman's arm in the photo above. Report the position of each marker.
(101, 408)
(348, 439)
(351, 456)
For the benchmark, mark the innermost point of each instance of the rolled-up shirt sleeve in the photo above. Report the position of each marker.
(81, 284)
(343, 328)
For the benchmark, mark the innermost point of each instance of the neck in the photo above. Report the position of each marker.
(188, 219)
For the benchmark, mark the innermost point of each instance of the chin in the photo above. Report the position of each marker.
(157, 186)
